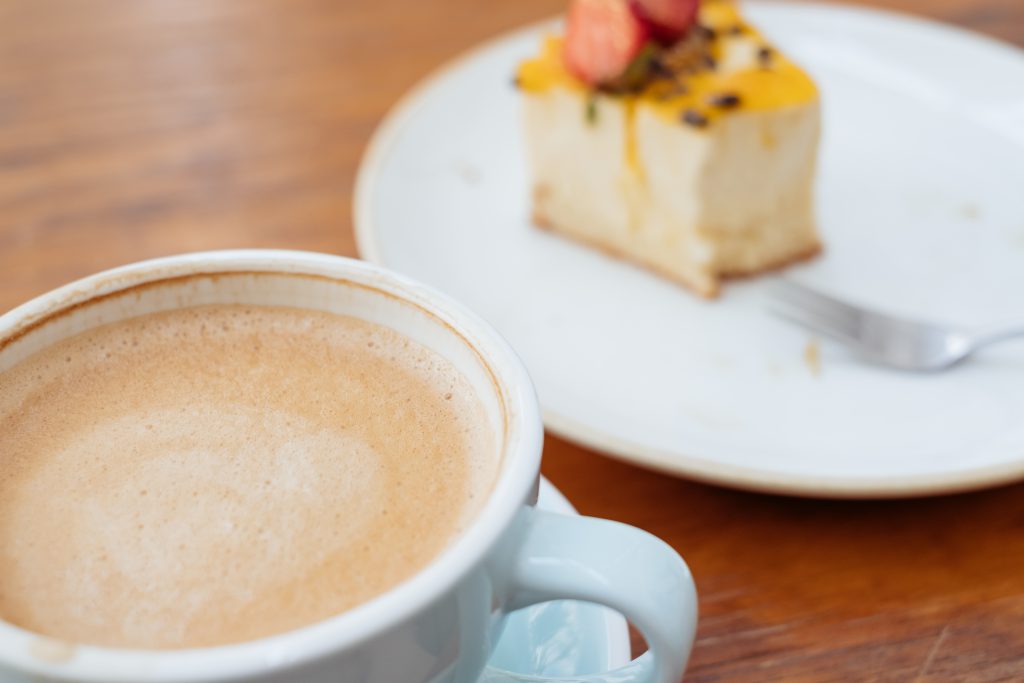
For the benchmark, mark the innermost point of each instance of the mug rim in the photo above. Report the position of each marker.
(517, 475)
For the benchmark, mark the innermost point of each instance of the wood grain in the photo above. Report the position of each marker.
(136, 129)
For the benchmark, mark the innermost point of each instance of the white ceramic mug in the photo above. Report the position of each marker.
(440, 625)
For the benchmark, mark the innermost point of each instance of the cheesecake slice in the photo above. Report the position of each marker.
(692, 155)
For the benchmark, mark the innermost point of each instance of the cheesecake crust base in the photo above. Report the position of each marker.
(708, 289)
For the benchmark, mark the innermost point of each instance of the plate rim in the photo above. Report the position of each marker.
(678, 463)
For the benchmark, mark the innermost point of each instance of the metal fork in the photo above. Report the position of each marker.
(881, 338)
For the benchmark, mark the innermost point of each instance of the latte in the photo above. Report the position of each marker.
(216, 474)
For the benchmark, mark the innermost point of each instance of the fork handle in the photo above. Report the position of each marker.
(995, 333)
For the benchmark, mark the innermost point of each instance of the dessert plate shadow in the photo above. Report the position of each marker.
(921, 209)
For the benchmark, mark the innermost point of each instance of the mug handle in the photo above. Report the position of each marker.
(565, 557)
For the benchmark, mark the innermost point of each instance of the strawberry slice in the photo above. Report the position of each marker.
(669, 19)
(602, 38)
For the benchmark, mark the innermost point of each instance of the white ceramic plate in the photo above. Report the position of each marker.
(921, 205)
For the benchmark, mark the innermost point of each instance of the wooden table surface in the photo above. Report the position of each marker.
(137, 129)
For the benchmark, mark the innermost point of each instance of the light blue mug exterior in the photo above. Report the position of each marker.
(442, 625)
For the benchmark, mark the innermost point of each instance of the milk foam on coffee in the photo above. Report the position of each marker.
(221, 473)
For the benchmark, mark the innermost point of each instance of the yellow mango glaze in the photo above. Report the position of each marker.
(779, 84)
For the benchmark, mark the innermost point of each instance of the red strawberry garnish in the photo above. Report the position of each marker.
(602, 38)
(669, 19)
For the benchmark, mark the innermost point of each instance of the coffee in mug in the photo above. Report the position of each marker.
(215, 474)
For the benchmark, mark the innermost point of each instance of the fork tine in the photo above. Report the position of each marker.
(835, 313)
(795, 290)
(810, 296)
(814, 323)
